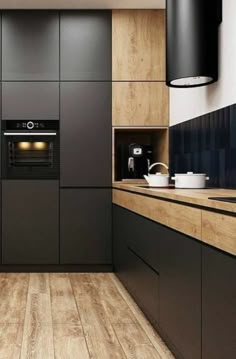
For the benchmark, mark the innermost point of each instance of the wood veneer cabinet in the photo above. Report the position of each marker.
(140, 104)
(138, 45)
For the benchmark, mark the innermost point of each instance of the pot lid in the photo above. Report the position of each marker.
(190, 174)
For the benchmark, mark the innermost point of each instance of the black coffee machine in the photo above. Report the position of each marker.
(133, 160)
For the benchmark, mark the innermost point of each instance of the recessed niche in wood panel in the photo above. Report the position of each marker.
(138, 45)
(158, 138)
(140, 104)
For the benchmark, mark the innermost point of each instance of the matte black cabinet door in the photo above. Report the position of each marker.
(30, 45)
(86, 134)
(85, 226)
(180, 293)
(218, 305)
(30, 222)
(30, 101)
(85, 45)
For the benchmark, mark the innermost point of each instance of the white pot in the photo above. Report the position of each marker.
(190, 180)
(158, 179)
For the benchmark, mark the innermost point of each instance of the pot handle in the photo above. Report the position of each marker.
(173, 178)
(207, 178)
(158, 163)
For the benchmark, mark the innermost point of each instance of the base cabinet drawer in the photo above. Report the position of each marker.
(143, 284)
(85, 226)
(138, 277)
(218, 304)
(30, 222)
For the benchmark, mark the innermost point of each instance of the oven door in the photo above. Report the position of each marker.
(30, 155)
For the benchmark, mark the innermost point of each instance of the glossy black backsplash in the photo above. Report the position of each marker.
(206, 144)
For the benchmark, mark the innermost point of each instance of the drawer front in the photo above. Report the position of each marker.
(179, 217)
(219, 230)
(143, 284)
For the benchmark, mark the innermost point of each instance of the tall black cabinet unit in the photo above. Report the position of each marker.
(30, 91)
(85, 113)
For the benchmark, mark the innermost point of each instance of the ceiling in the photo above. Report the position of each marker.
(82, 4)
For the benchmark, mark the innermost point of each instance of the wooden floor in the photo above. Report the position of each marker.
(72, 316)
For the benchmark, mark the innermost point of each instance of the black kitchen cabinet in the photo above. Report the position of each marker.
(30, 100)
(86, 134)
(131, 261)
(85, 226)
(30, 222)
(180, 293)
(85, 49)
(218, 305)
(30, 45)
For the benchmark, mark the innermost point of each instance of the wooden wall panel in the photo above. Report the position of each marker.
(140, 104)
(138, 45)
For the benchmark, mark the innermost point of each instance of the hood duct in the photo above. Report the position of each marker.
(192, 42)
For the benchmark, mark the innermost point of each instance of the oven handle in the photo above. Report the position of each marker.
(29, 133)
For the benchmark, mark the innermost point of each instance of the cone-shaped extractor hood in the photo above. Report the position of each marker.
(192, 42)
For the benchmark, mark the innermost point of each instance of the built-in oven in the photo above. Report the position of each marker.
(30, 149)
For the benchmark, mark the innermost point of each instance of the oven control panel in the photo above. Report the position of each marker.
(30, 125)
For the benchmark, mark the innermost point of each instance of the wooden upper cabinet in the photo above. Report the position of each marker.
(140, 104)
(138, 45)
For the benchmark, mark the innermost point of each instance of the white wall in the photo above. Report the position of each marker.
(189, 103)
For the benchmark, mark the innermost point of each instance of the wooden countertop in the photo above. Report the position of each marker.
(197, 197)
(204, 223)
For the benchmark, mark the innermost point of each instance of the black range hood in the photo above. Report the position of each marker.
(192, 42)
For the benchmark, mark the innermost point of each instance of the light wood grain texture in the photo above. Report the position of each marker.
(37, 342)
(69, 342)
(102, 333)
(13, 295)
(114, 306)
(64, 308)
(10, 340)
(135, 342)
(147, 328)
(101, 339)
(179, 217)
(190, 196)
(219, 231)
(138, 45)
(140, 104)
(38, 308)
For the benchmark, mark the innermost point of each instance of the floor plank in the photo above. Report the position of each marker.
(113, 303)
(135, 342)
(37, 342)
(13, 295)
(69, 342)
(64, 308)
(100, 336)
(10, 340)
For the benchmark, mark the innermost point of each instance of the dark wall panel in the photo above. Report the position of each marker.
(206, 144)
(30, 45)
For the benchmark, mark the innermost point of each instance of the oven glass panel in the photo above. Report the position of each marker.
(30, 153)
